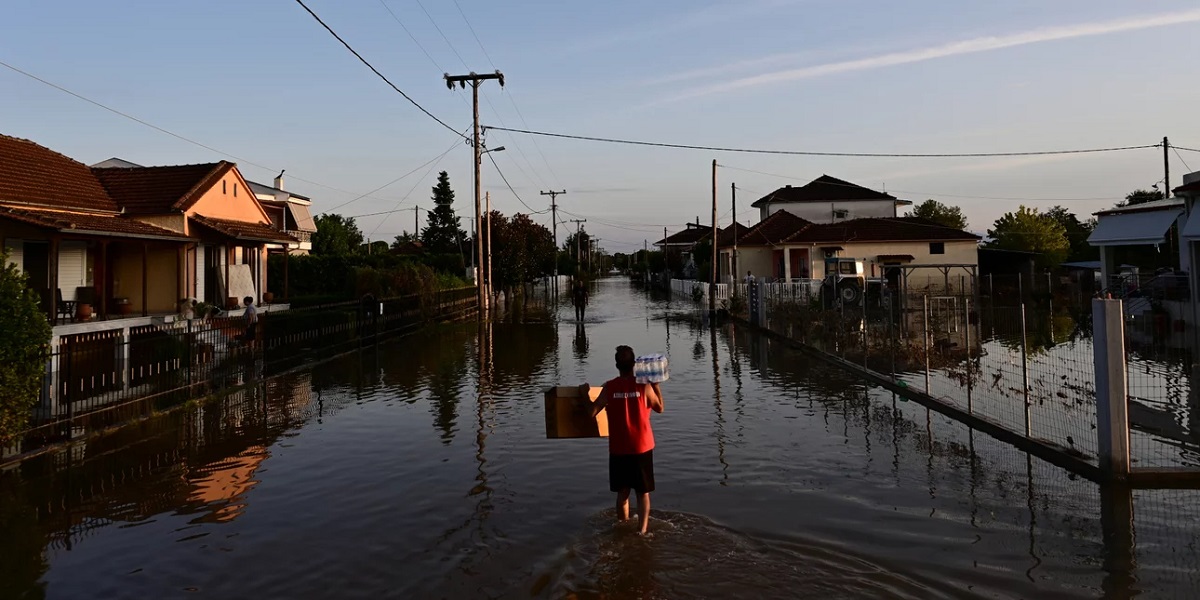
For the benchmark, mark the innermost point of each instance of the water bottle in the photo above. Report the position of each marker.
(651, 368)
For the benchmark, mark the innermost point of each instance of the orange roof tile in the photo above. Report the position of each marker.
(87, 223)
(36, 175)
(157, 190)
(258, 232)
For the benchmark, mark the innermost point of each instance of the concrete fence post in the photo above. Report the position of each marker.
(1112, 391)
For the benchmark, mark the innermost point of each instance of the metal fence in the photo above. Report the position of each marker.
(1028, 368)
(99, 380)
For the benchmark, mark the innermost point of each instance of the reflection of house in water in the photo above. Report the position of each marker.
(223, 485)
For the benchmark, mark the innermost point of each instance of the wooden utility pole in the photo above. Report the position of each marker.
(490, 291)
(712, 281)
(733, 269)
(554, 226)
(416, 223)
(475, 80)
(1166, 168)
(578, 246)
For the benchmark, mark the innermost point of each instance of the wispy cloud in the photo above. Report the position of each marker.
(981, 44)
(701, 17)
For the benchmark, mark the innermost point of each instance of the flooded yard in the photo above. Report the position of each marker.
(419, 468)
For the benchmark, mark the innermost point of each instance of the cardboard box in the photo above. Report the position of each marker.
(564, 418)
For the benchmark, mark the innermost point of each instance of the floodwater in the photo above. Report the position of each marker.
(420, 469)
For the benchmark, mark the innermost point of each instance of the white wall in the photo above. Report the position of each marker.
(823, 212)
(16, 253)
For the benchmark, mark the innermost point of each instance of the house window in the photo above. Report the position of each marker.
(937, 247)
(223, 190)
(235, 190)
(840, 213)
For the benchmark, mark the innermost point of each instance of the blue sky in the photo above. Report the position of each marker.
(264, 84)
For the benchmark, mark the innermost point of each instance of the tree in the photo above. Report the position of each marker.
(336, 235)
(22, 351)
(403, 239)
(580, 242)
(444, 231)
(1140, 196)
(521, 250)
(1031, 231)
(946, 216)
(1077, 233)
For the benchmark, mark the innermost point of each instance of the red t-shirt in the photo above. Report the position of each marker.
(628, 417)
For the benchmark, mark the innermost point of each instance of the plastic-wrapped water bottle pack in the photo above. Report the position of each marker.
(651, 368)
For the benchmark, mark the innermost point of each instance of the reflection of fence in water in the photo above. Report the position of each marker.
(1030, 371)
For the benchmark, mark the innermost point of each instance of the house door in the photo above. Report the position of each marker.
(777, 263)
(214, 275)
(799, 266)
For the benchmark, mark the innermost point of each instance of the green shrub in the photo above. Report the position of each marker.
(23, 351)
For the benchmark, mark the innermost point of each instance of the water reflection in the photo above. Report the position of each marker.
(825, 487)
(580, 342)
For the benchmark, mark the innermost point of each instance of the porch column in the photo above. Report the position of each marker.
(145, 278)
(228, 259)
(1108, 266)
(286, 290)
(102, 277)
(181, 272)
(53, 279)
(787, 264)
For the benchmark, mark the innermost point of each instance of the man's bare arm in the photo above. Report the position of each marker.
(593, 408)
(654, 398)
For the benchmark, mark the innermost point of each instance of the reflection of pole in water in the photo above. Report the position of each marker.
(717, 404)
(1116, 523)
(1032, 500)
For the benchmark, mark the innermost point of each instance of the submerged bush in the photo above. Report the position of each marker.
(23, 350)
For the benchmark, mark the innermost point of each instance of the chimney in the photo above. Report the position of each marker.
(788, 186)
(279, 180)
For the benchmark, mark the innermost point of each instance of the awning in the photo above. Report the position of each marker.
(304, 220)
(1191, 229)
(1134, 228)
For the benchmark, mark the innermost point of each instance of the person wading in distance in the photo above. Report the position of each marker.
(630, 438)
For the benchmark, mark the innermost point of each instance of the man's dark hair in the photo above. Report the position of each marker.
(248, 299)
(625, 359)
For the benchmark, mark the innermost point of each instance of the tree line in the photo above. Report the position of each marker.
(1056, 234)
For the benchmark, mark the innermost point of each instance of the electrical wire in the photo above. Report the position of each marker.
(166, 131)
(1180, 156)
(412, 189)
(510, 188)
(423, 165)
(816, 153)
(376, 71)
(790, 178)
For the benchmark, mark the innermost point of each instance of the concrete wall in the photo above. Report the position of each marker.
(756, 259)
(823, 212)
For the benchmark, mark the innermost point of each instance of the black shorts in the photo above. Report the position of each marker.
(251, 333)
(631, 471)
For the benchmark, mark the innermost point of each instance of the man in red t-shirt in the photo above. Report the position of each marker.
(630, 438)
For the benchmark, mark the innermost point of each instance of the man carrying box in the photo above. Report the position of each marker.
(630, 438)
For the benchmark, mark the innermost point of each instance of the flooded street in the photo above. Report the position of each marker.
(398, 471)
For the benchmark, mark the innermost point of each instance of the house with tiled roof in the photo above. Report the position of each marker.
(787, 247)
(828, 199)
(125, 239)
(682, 243)
(290, 213)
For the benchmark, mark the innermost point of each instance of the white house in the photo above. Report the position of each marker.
(289, 212)
(830, 200)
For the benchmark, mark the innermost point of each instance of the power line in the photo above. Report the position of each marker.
(376, 71)
(816, 153)
(166, 131)
(850, 185)
(1181, 158)
(510, 187)
(413, 188)
(436, 158)
(1183, 148)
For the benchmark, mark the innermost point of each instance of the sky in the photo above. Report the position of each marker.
(262, 84)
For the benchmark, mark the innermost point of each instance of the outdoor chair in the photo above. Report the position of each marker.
(65, 308)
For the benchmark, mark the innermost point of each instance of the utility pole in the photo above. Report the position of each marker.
(490, 292)
(554, 225)
(733, 270)
(416, 223)
(712, 281)
(577, 244)
(1166, 168)
(475, 80)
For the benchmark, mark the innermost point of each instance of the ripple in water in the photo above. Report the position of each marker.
(687, 555)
